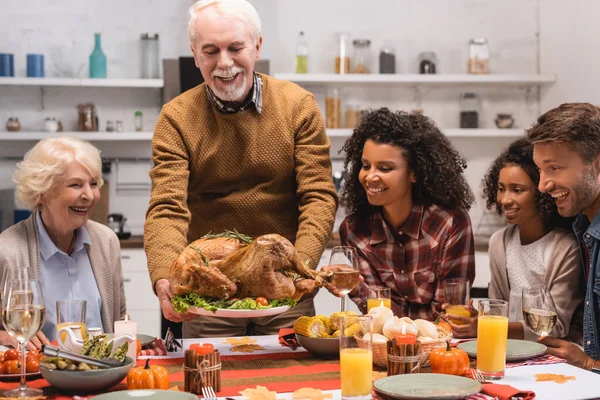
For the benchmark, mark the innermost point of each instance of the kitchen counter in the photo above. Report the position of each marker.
(137, 242)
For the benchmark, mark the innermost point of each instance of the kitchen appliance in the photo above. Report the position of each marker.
(116, 222)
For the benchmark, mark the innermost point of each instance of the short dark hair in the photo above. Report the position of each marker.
(520, 153)
(437, 166)
(575, 124)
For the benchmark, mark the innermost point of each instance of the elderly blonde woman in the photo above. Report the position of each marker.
(75, 258)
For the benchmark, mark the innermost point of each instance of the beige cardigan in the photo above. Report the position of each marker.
(19, 247)
(561, 280)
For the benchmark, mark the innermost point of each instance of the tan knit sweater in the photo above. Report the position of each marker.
(256, 173)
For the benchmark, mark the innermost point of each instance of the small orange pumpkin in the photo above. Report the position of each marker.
(148, 377)
(138, 348)
(451, 361)
(442, 323)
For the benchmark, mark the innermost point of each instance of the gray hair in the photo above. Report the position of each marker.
(47, 161)
(240, 9)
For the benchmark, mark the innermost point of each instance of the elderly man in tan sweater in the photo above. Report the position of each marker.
(241, 151)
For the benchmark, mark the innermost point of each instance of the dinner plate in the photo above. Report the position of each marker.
(226, 313)
(427, 386)
(145, 340)
(146, 395)
(16, 377)
(516, 350)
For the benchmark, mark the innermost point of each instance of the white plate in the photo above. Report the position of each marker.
(225, 313)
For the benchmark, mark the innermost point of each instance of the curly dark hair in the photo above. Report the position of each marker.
(437, 166)
(520, 153)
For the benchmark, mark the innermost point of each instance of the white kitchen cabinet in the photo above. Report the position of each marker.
(142, 303)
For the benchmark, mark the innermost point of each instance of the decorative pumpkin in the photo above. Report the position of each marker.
(148, 377)
(138, 348)
(451, 361)
(442, 323)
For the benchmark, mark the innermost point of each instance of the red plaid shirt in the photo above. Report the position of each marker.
(432, 245)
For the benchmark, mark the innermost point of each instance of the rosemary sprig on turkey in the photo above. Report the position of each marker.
(212, 270)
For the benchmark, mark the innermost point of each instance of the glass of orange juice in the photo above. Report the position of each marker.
(456, 295)
(356, 363)
(492, 336)
(71, 313)
(379, 296)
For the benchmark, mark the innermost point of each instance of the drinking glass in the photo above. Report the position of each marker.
(344, 264)
(538, 311)
(356, 363)
(456, 295)
(9, 274)
(379, 296)
(23, 315)
(71, 313)
(492, 336)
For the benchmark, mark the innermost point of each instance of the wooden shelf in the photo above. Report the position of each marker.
(418, 79)
(90, 136)
(456, 133)
(82, 82)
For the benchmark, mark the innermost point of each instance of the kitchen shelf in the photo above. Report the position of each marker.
(90, 136)
(82, 82)
(455, 133)
(418, 79)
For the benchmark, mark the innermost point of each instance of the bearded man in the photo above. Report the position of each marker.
(242, 151)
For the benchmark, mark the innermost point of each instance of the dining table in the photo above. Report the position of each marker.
(283, 369)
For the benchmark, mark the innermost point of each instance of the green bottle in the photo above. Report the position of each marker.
(97, 60)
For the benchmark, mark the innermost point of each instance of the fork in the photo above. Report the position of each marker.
(209, 393)
(478, 376)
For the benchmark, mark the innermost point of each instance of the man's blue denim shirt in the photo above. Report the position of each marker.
(589, 235)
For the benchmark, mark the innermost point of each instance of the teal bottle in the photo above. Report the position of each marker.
(97, 60)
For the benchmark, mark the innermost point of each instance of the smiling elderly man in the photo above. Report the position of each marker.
(242, 151)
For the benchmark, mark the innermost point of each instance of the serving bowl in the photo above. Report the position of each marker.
(84, 382)
(320, 346)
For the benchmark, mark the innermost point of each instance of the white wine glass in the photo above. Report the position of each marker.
(344, 264)
(538, 311)
(23, 315)
(10, 274)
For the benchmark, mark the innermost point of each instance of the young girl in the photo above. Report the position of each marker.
(536, 250)
(407, 204)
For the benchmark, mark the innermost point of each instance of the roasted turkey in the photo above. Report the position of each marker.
(228, 266)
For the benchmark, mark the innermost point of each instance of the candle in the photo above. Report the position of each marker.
(202, 348)
(405, 338)
(125, 327)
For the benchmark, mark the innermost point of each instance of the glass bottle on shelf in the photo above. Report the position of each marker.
(139, 126)
(88, 121)
(469, 111)
(352, 116)
(97, 59)
(301, 54)
(479, 56)
(119, 126)
(110, 126)
(362, 56)
(150, 58)
(342, 59)
(333, 109)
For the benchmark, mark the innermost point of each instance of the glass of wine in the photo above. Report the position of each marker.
(344, 264)
(9, 274)
(538, 311)
(23, 315)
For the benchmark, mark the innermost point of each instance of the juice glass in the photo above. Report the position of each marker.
(492, 336)
(456, 295)
(71, 313)
(379, 296)
(356, 363)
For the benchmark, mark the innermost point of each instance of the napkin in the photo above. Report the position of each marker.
(157, 348)
(505, 392)
(287, 337)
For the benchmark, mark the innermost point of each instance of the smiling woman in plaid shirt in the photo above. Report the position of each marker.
(407, 201)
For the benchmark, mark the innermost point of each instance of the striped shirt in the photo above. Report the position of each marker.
(254, 99)
(433, 244)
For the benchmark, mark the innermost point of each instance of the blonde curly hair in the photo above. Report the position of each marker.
(45, 163)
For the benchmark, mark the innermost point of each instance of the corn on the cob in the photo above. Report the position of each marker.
(351, 318)
(311, 327)
(326, 322)
(352, 329)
